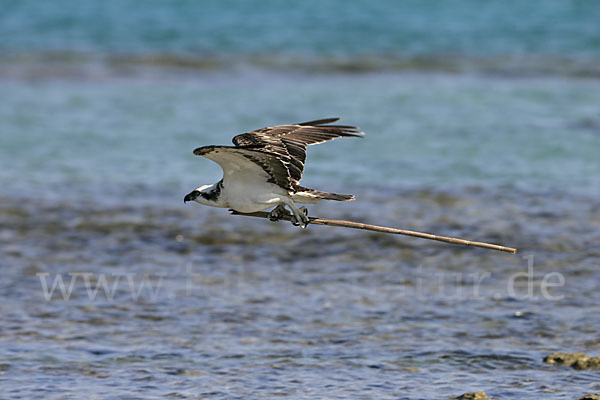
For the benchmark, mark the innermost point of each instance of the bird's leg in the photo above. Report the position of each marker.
(300, 216)
(277, 213)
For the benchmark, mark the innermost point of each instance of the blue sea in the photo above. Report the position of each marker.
(481, 121)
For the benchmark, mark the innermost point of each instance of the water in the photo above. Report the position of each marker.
(118, 36)
(482, 122)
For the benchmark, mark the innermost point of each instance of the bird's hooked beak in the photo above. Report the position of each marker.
(191, 196)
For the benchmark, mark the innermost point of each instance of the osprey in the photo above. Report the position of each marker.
(264, 168)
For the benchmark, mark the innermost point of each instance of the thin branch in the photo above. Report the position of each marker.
(383, 229)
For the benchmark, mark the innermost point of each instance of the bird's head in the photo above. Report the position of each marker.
(201, 194)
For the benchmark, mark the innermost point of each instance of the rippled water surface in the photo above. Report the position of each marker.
(202, 304)
(481, 123)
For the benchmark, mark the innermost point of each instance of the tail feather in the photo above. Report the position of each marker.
(319, 195)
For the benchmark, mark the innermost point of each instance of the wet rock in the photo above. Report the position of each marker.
(589, 363)
(472, 396)
(563, 358)
(575, 360)
(590, 397)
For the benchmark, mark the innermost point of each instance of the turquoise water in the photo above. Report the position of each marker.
(481, 122)
(467, 27)
(433, 131)
(518, 37)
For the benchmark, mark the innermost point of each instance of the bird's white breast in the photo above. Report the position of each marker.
(245, 191)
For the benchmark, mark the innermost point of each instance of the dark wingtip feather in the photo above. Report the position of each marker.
(200, 151)
(319, 121)
(349, 131)
(359, 134)
(345, 130)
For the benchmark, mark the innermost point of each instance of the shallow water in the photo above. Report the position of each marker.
(423, 130)
(481, 122)
(202, 304)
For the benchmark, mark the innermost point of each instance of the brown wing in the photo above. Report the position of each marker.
(288, 142)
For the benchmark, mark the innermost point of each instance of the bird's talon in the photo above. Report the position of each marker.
(305, 222)
(277, 213)
(300, 220)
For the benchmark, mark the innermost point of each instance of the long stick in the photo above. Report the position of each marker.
(358, 225)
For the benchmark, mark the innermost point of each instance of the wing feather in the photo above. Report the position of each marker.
(288, 142)
(233, 160)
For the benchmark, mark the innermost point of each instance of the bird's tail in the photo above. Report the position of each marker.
(316, 195)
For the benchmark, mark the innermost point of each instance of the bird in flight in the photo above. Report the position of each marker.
(264, 169)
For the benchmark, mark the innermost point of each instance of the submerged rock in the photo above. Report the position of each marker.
(575, 360)
(472, 396)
